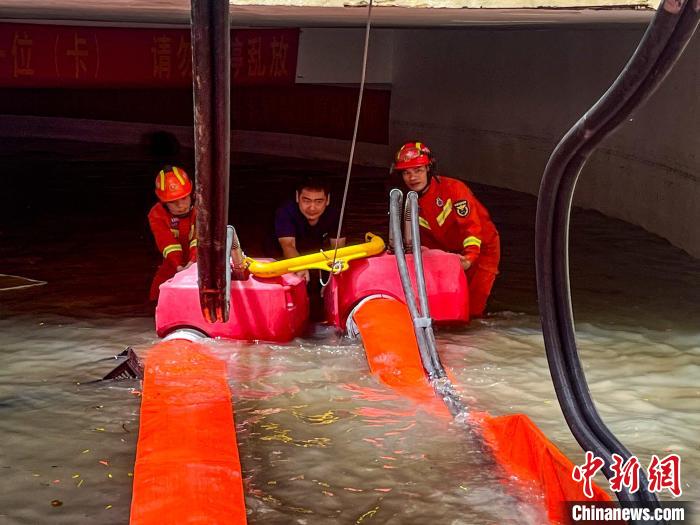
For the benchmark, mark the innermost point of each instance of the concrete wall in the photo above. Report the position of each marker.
(493, 103)
(334, 56)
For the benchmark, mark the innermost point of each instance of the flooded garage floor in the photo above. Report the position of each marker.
(319, 438)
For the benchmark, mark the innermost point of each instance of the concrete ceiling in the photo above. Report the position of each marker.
(339, 13)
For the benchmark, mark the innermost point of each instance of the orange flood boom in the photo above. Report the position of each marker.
(187, 466)
(516, 443)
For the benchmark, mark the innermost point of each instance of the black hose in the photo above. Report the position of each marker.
(662, 44)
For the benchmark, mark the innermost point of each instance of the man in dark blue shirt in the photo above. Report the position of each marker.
(307, 224)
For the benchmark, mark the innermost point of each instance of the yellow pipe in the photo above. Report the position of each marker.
(323, 260)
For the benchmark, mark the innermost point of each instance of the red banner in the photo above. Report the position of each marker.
(74, 56)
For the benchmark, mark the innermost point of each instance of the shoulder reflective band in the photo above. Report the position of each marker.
(446, 210)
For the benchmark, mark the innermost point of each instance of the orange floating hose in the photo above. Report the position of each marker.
(392, 351)
(525, 452)
(187, 466)
(516, 443)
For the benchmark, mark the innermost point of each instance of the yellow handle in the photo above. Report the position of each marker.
(323, 260)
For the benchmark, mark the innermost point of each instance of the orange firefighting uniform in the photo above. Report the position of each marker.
(453, 220)
(176, 239)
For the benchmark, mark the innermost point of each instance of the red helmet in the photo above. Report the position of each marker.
(412, 155)
(172, 183)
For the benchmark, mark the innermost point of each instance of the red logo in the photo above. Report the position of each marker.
(586, 472)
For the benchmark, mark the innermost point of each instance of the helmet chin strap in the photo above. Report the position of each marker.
(425, 188)
(179, 215)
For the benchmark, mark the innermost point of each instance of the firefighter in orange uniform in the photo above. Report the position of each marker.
(173, 222)
(453, 220)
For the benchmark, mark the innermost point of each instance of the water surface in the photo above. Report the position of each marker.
(319, 438)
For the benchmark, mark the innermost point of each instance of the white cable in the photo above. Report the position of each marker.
(187, 334)
(351, 328)
(354, 140)
(30, 282)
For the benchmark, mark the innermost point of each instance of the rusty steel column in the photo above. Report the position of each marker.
(211, 77)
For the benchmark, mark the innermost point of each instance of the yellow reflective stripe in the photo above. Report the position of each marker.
(192, 231)
(161, 176)
(180, 178)
(170, 248)
(175, 232)
(446, 210)
(423, 223)
(471, 241)
(193, 243)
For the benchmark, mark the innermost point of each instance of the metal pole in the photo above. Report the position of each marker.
(211, 73)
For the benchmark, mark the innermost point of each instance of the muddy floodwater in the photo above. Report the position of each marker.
(320, 439)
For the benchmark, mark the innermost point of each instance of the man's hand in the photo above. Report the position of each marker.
(466, 264)
(304, 274)
(180, 268)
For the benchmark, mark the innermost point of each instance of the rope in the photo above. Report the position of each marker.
(354, 141)
(28, 282)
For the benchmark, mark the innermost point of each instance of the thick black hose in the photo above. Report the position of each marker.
(661, 46)
(682, 33)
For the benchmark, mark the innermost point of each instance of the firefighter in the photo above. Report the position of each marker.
(453, 220)
(172, 222)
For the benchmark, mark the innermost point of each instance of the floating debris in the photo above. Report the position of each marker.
(368, 514)
(56, 503)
